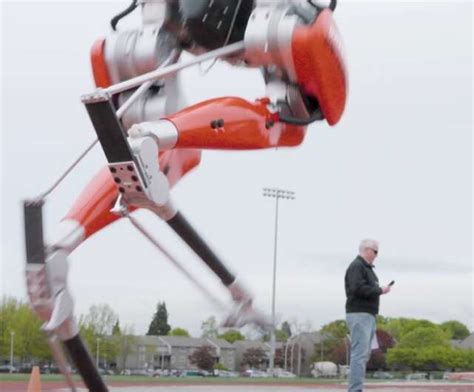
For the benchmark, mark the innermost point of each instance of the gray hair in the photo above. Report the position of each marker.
(368, 243)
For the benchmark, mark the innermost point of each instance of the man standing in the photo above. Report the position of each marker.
(362, 305)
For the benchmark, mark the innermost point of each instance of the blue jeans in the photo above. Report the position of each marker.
(362, 329)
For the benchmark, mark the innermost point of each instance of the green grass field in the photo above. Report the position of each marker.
(179, 380)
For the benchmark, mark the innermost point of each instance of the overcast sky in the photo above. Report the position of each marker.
(398, 168)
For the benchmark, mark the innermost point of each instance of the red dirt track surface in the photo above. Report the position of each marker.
(13, 386)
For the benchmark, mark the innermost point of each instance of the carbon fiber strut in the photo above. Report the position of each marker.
(114, 142)
(182, 227)
(35, 254)
(107, 125)
(84, 364)
(33, 217)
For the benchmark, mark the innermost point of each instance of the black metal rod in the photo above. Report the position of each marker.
(33, 217)
(84, 364)
(110, 132)
(35, 254)
(182, 227)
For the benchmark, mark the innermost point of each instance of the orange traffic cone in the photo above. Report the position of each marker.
(35, 384)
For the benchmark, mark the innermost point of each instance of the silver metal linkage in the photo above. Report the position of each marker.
(145, 86)
(172, 69)
(68, 170)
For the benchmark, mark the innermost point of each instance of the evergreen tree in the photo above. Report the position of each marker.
(159, 325)
(116, 329)
(285, 326)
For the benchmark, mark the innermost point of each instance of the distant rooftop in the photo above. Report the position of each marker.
(468, 343)
(182, 341)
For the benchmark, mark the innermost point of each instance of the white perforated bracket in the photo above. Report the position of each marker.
(130, 183)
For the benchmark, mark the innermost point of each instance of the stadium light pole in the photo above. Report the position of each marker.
(97, 353)
(12, 338)
(277, 194)
(348, 348)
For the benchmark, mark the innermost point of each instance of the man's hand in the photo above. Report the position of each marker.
(386, 289)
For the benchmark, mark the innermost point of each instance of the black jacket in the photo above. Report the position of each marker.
(362, 288)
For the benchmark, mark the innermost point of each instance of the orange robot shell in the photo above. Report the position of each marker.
(221, 123)
(320, 65)
(233, 123)
(99, 66)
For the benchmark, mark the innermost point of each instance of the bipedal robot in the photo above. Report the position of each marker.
(151, 138)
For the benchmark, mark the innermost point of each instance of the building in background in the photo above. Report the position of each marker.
(241, 347)
(466, 344)
(299, 350)
(172, 352)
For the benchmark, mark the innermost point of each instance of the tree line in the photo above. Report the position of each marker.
(404, 343)
(100, 329)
